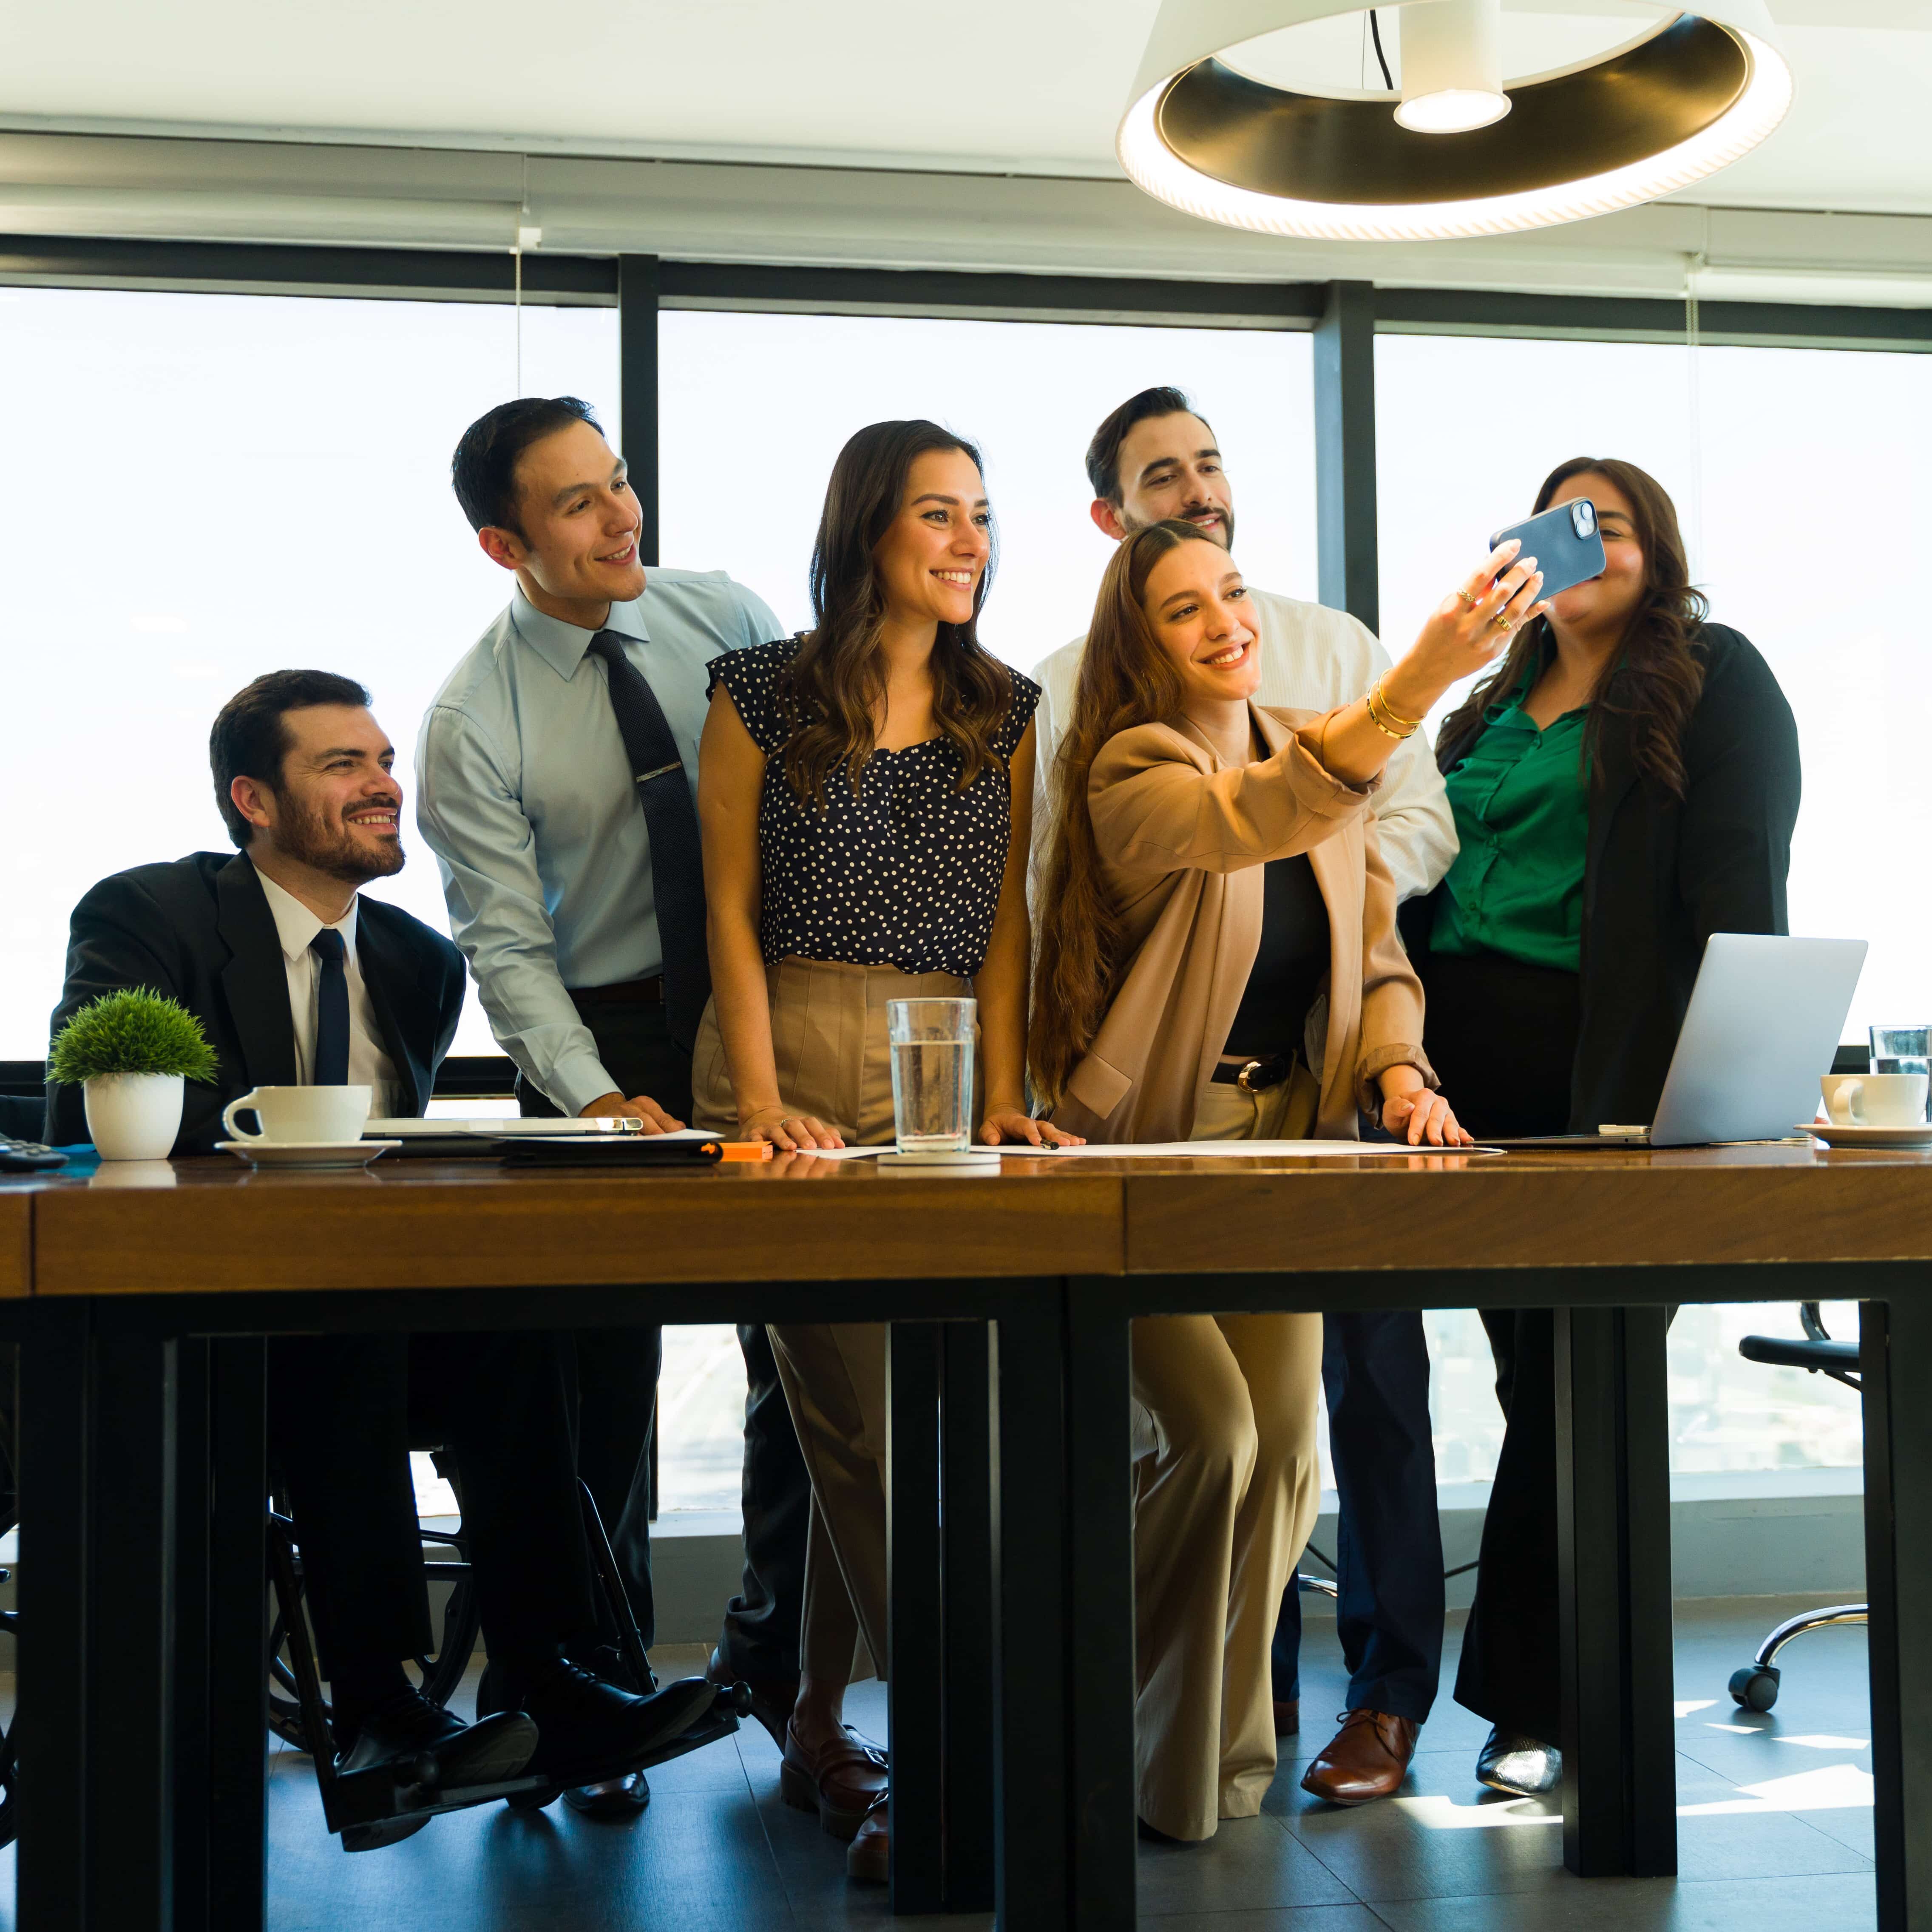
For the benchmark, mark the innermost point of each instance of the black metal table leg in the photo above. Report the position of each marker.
(914, 1699)
(1895, 1348)
(131, 1631)
(53, 1651)
(238, 1688)
(966, 1559)
(1030, 1596)
(1613, 1529)
(1100, 1549)
(193, 1844)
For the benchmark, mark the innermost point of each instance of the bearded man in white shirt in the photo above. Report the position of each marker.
(1155, 458)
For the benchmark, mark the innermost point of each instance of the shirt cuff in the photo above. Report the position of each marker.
(577, 1081)
(1378, 1060)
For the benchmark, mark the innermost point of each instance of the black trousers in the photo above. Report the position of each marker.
(343, 1412)
(1502, 1036)
(617, 1376)
(1388, 1560)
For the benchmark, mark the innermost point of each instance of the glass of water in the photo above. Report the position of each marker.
(1906, 1049)
(932, 1073)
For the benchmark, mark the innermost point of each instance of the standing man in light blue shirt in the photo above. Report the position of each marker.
(556, 777)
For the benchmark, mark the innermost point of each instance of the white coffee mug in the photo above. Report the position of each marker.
(319, 1116)
(1876, 1099)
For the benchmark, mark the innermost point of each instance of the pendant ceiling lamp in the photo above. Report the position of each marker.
(1246, 111)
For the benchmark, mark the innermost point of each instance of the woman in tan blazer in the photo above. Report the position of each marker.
(1223, 965)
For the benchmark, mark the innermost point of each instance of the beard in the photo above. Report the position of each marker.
(327, 845)
(1224, 536)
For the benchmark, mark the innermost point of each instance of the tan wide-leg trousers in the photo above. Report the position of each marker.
(828, 1035)
(1226, 1488)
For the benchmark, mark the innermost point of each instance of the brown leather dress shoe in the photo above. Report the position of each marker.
(1367, 1759)
(1287, 1716)
(842, 1782)
(868, 1858)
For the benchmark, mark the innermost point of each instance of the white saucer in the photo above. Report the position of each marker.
(1835, 1136)
(307, 1153)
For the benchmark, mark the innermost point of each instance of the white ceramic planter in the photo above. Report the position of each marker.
(134, 1116)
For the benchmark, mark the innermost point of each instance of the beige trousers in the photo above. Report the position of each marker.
(829, 1037)
(1226, 1487)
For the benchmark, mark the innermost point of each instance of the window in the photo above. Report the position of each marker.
(755, 407)
(204, 488)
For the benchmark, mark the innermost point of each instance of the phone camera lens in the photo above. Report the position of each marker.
(1583, 516)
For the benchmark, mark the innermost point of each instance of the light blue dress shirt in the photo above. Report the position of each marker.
(525, 795)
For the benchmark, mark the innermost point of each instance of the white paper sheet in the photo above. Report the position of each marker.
(1247, 1150)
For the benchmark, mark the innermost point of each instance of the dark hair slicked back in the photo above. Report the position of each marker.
(251, 737)
(1103, 453)
(483, 472)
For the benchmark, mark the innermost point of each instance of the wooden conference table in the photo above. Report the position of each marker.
(141, 1309)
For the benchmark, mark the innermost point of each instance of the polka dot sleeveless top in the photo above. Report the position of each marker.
(905, 874)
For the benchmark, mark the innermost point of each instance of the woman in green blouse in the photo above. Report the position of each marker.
(1623, 787)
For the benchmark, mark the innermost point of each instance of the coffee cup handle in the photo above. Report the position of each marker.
(1844, 1104)
(244, 1104)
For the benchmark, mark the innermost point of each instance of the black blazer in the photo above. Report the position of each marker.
(1663, 873)
(200, 930)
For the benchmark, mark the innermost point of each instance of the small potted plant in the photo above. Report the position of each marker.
(130, 1051)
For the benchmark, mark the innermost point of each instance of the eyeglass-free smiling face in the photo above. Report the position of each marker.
(934, 552)
(575, 549)
(1198, 608)
(1171, 468)
(335, 806)
(1607, 602)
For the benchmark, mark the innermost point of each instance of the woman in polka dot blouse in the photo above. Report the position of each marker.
(865, 792)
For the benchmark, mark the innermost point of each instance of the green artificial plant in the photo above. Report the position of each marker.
(132, 1031)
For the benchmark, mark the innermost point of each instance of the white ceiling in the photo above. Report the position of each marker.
(1000, 86)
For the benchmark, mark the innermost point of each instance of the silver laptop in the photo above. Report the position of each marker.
(1763, 1025)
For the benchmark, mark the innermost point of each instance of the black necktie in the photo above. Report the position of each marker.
(670, 822)
(332, 1010)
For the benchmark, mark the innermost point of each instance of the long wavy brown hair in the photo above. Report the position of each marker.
(1655, 679)
(836, 687)
(1125, 678)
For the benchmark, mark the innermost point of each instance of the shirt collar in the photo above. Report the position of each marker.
(562, 646)
(296, 926)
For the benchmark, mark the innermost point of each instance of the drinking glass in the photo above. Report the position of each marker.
(932, 1073)
(1901, 1049)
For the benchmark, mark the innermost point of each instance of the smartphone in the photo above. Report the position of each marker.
(1565, 542)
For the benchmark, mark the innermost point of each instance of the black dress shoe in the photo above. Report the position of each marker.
(771, 1697)
(422, 1744)
(617, 1800)
(1524, 1767)
(588, 1731)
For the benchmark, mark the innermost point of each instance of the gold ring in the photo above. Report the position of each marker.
(1502, 620)
(1469, 603)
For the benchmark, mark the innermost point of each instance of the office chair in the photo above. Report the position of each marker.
(384, 1805)
(1755, 1687)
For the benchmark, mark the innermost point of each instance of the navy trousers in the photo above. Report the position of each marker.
(1375, 1372)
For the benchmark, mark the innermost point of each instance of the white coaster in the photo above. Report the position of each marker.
(968, 1160)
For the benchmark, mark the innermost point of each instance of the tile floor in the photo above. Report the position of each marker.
(1774, 1812)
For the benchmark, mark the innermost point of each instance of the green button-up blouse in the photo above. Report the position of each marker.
(1522, 803)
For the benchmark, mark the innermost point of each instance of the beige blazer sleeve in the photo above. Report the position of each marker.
(1154, 813)
(1391, 1034)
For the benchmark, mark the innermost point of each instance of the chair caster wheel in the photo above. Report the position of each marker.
(534, 1801)
(1755, 1688)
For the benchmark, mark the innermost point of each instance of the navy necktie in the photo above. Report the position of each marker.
(332, 1010)
(671, 823)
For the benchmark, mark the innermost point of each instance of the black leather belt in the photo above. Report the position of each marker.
(1254, 1076)
(626, 993)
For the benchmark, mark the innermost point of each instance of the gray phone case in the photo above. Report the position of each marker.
(1565, 542)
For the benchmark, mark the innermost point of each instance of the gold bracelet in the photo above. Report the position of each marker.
(1375, 698)
(1389, 711)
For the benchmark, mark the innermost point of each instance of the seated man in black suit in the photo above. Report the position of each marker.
(297, 979)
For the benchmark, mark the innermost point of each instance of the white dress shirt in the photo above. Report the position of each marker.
(1313, 659)
(369, 1063)
(524, 794)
